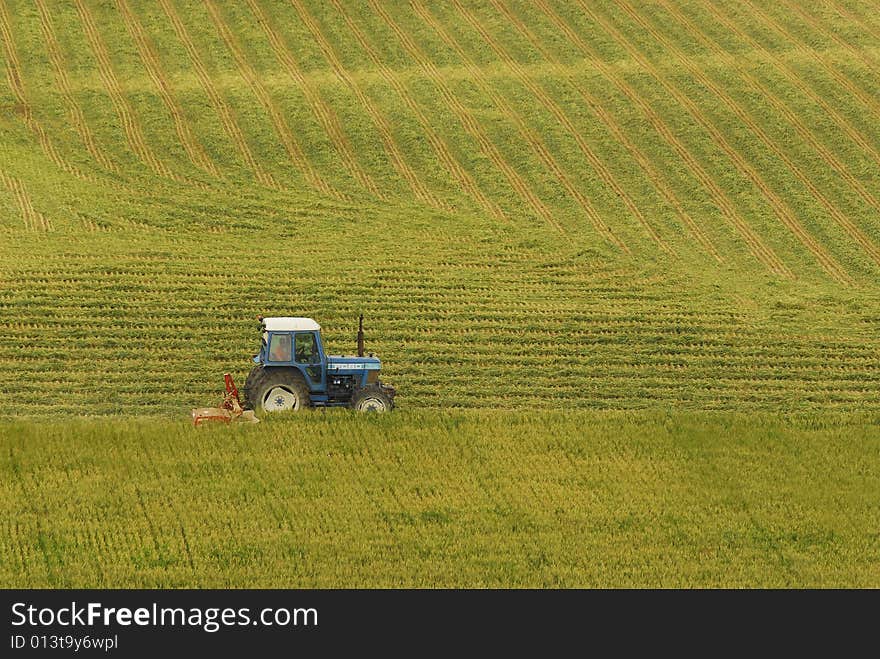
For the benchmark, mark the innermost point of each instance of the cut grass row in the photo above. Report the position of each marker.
(249, 59)
(152, 284)
(150, 327)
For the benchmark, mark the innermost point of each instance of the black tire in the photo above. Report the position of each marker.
(248, 386)
(372, 398)
(289, 387)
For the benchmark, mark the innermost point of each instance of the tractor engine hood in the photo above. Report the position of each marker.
(340, 363)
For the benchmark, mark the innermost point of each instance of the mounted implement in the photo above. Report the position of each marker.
(229, 410)
(293, 372)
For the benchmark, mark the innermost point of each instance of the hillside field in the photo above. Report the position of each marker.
(473, 498)
(620, 259)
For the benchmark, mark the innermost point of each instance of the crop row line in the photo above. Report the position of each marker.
(88, 223)
(331, 124)
(665, 383)
(820, 59)
(869, 100)
(858, 20)
(795, 79)
(117, 345)
(452, 165)
(594, 386)
(606, 378)
(607, 375)
(442, 310)
(421, 295)
(259, 90)
(466, 118)
(780, 208)
(604, 173)
(595, 218)
(227, 119)
(131, 126)
(33, 220)
(16, 84)
(379, 120)
(326, 116)
(498, 351)
(758, 247)
(608, 120)
(806, 364)
(75, 112)
(150, 60)
(842, 220)
(655, 341)
(528, 135)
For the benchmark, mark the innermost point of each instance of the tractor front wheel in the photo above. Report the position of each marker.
(372, 398)
(276, 390)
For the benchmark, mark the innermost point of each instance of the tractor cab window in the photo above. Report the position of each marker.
(279, 348)
(307, 349)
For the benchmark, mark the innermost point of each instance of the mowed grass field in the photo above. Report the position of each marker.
(563, 220)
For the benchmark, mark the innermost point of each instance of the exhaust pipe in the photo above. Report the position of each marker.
(360, 338)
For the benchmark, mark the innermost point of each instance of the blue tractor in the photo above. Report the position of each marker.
(292, 372)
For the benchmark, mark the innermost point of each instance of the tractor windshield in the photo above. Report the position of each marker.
(307, 349)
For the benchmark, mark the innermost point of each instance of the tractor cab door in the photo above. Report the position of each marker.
(308, 354)
(280, 348)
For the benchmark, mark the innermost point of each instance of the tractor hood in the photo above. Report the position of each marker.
(340, 363)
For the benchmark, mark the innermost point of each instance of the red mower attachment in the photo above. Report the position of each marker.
(229, 410)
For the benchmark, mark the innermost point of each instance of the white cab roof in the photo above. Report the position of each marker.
(290, 324)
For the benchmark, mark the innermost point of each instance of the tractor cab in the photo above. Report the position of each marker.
(293, 371)
(295, 342)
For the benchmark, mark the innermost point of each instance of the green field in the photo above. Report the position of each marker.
(426, 499)
(550, 213)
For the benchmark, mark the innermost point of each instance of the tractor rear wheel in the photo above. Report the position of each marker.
(372, 398)
(276, 389)
(248, 386)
